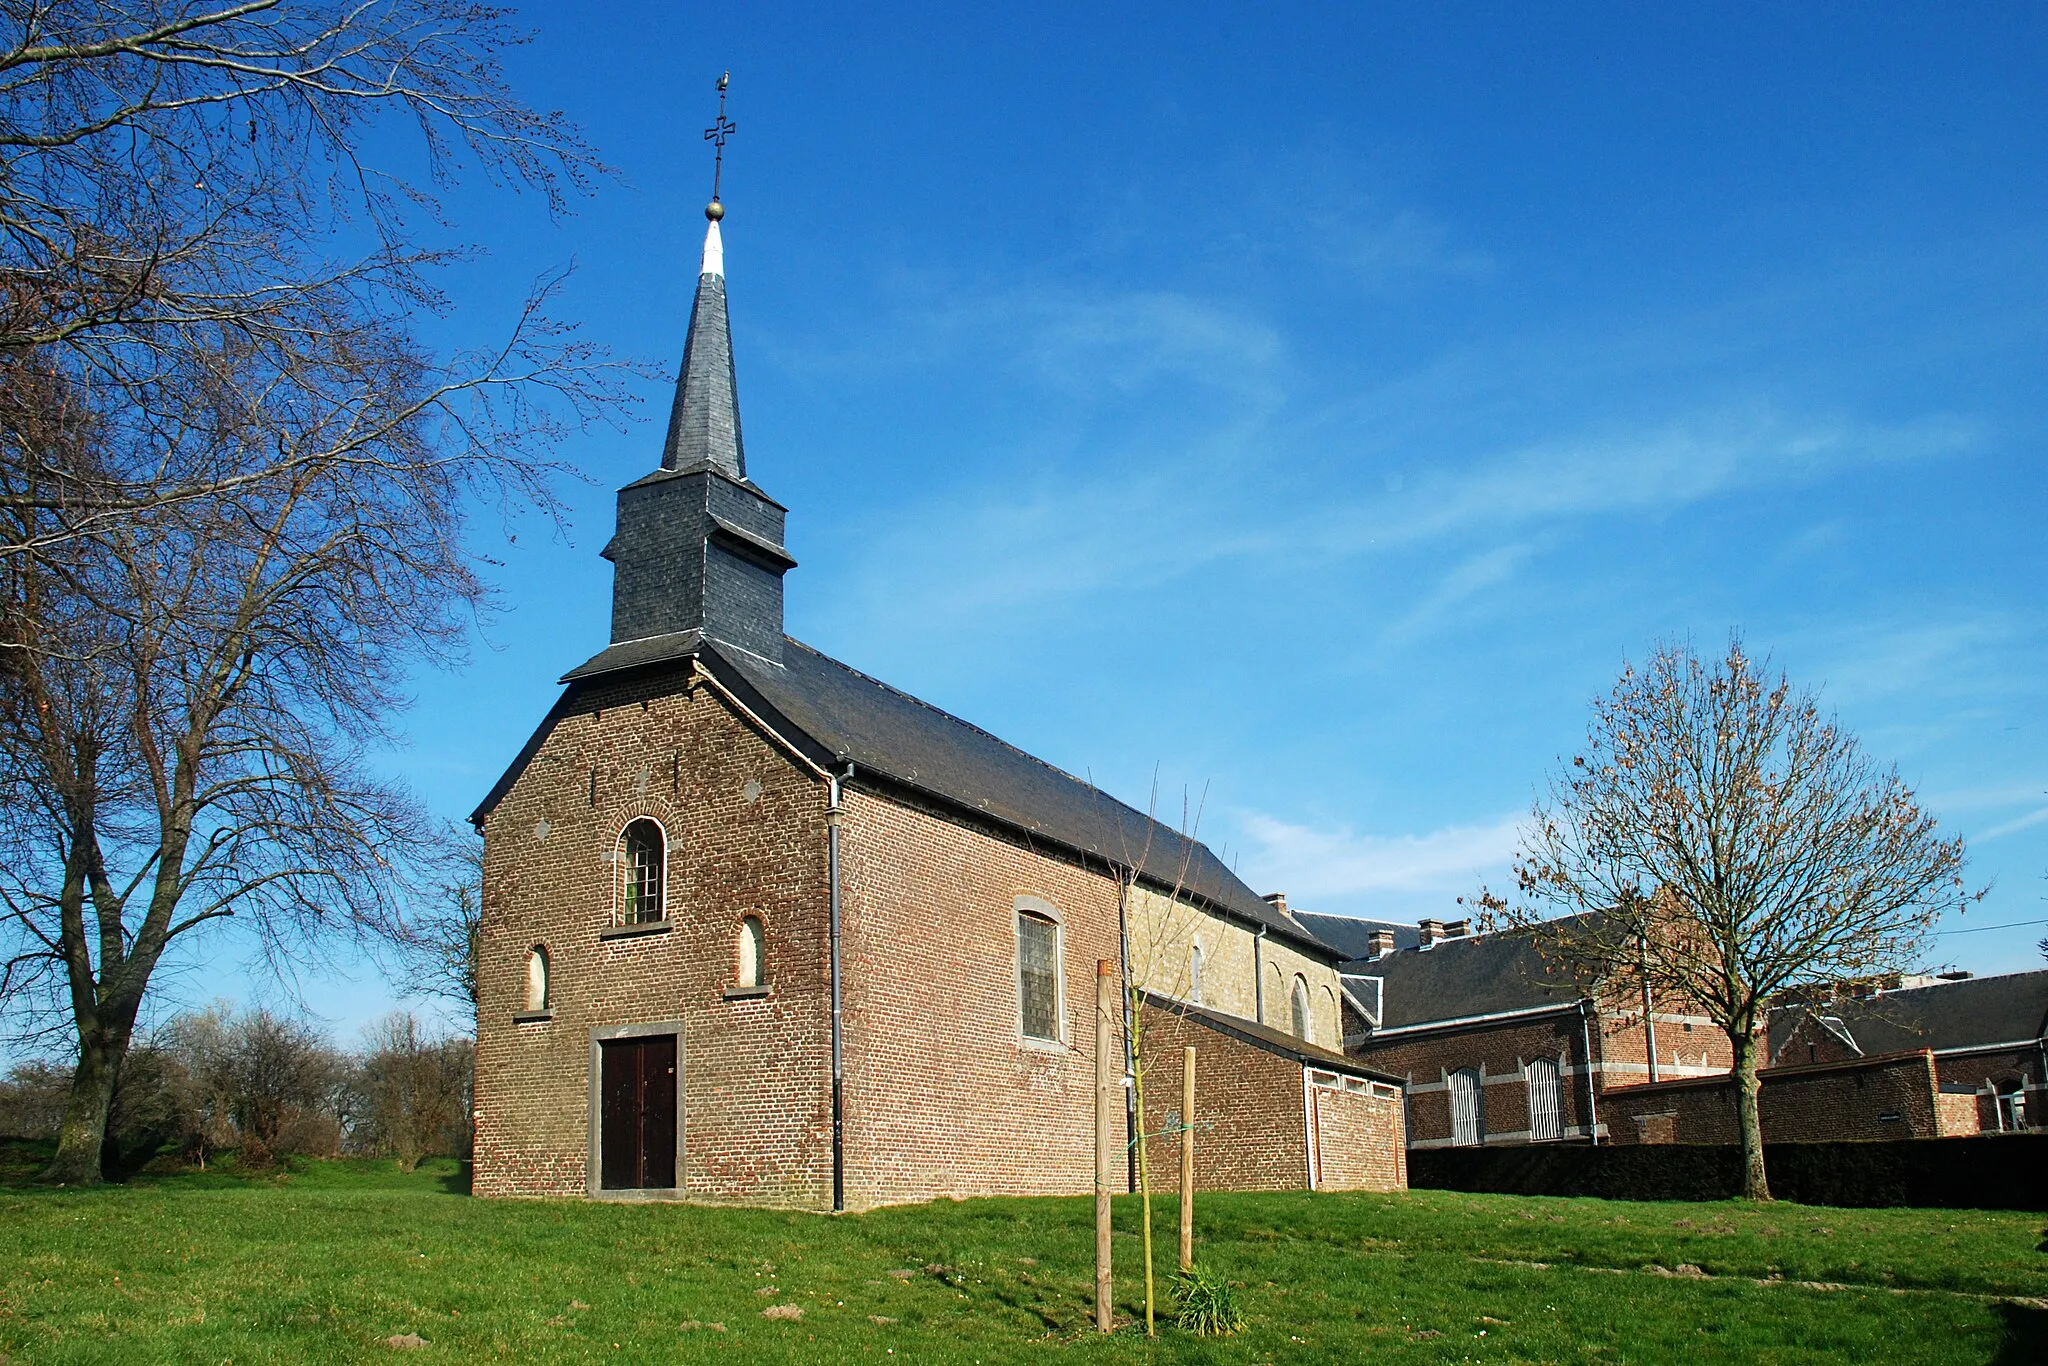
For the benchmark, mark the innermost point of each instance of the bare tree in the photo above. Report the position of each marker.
(176, 177)
(1724, 841)
(411, 1092)
(437, 947)
(184, 741)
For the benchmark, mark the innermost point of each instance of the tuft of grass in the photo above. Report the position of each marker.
(1205, 1304)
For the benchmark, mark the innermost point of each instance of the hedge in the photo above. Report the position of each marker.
(2003, 1171)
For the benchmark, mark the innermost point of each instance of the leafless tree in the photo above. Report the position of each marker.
(1724, 840)
(436, 951)
(178, 176)
(184, 741)
(410, 1092)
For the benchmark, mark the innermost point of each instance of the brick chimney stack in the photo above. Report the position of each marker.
(1381, 943)
(1278, 901)
(1432, 931)
(1457, 929)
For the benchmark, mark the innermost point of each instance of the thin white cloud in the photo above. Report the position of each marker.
(2011, 827)
(1315, 862)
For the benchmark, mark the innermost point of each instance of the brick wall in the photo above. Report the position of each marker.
(746, 834)
(1250, 1117)
(1501, 1053)
(944, 1095)
(1358, 1137)
(1816, 1103)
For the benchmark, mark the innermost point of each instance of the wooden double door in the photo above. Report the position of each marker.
(637, 1109)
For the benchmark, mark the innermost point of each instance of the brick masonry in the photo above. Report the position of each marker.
(1252, 1116)
(1890, 1097)
(943, 1094)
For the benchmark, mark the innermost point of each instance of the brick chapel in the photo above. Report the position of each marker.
(759, 928)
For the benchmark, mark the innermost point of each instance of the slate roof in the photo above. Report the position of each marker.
(1459, 978)
(1352, 936)
(1271, 1039)
(1976, 1013)
(843, 715)
(704, 421)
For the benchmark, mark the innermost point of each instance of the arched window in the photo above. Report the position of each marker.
(753, 953)
(537, 978)
(1546, 1101)
(1468, 1109)
(1298, 1002)
(1038, 970)
(646, 859)
(1195, 974)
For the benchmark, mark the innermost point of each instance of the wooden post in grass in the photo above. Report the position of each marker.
(1187, 1157)
(1109, 1105)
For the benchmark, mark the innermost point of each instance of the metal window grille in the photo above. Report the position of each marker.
(1546, 1101)
(1038, 976)
(1468, 1117)
(644, 860)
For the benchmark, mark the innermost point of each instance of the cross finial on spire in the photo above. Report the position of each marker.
(716, 135)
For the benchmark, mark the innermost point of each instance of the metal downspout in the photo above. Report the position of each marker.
(1259, 974)
(1592, 1089)
(832, 822)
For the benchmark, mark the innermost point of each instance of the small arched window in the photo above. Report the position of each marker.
(537, 978)
(753, 953)
(1298, 1002)
(646, 858)
(1195, 974)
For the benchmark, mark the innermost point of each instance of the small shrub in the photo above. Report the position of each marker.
(1205, 1304)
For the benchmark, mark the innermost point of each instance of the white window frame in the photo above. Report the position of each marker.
(1040, 909)
(538, 956)
(753, 935)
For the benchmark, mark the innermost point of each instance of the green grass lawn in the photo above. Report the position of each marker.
(328, 1261)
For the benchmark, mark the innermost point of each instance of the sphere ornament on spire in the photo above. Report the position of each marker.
(714, 211)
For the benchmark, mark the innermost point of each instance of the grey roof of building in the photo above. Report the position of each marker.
(1460, 978)
(1271, 1039)
(842, 715)
(704, 421)
(1352, 936)
(1976, 1013)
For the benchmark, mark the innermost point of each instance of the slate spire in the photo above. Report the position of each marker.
(704, 423)
(698, 555)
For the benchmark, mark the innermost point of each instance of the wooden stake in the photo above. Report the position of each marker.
(1187, 1158)
(1109, 1106)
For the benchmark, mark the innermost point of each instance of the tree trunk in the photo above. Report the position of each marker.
(1756, 1184)
(83, 1134)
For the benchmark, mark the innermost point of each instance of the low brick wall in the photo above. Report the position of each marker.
(1892, 1097)
(1990, 1171)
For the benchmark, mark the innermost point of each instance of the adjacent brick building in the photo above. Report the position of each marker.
(760, 928)
(1498, 1044)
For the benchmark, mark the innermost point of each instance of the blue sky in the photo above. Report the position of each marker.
(1314, 408)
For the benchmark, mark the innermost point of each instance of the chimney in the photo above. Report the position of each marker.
(1278, 901)
(1457, 929)
(1432, 930)
(1381, 943)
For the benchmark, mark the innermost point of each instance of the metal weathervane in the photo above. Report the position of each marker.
(716, 135)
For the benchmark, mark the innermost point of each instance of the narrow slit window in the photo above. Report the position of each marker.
(646, 856)
(537, 978)
(753, 953)
(1195, 974)
(1298, 1002)
(1038, 975)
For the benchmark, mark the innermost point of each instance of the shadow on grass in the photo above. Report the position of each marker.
(2026, 1335)
(458, 1182)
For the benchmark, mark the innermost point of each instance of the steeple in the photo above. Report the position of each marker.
(704, 422)
(698, 555)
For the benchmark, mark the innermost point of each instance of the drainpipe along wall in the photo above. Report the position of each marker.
(832, 824)
(1592, 1084)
